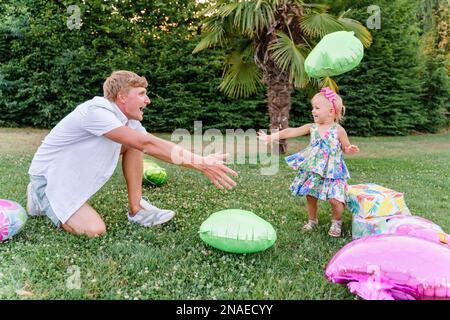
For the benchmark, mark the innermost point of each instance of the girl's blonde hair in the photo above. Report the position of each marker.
(338, 106)
(122, 81)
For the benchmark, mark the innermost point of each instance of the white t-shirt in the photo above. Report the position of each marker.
(75, 157)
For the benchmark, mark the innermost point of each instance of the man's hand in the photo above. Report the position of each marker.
(215, 169)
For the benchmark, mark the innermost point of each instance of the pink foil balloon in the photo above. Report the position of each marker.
(418, 227)
(392, 267)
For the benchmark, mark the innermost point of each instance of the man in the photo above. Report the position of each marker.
(81, 152)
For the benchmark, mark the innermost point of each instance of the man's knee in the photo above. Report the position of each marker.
(96, 230)
(85, 221)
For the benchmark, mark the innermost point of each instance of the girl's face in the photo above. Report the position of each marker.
(321, 110)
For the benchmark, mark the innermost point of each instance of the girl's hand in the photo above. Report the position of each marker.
(264, 137)
(351, 149)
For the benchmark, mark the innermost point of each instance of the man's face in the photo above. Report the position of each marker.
(134, 103)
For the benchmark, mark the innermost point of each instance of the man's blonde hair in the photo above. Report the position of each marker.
(338, 103)
(122, 81)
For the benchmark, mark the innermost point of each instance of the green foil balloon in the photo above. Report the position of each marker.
(237, 231)
(153, 174)
(336, 53)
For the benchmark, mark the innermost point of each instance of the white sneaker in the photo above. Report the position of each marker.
(150, 215)
(32, 206)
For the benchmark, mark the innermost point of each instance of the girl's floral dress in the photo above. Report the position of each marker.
(322, 171)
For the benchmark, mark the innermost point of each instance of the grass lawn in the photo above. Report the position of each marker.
(171, 262)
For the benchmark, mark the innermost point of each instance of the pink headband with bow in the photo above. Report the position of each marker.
(330, 95)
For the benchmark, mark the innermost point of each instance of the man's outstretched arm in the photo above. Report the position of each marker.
(212, 166)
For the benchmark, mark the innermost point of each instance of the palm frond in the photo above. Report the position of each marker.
(240, 18)
(210, 39)
(227, 9)
(315, 8)
(315, 83)
(259, 3)
(208, 11)
(215, 33)
(242, 46)
(275, 3)
(329, 82)
(290, 57)
(252, 17)
(316, 25)
(361, 32)
(218, 9)
(241, 78)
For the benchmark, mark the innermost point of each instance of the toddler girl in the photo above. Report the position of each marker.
(322, 171)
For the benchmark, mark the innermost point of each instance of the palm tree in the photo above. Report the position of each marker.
(269, 42)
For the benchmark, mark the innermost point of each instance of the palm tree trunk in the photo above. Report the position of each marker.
(279, 88)
(279, 105)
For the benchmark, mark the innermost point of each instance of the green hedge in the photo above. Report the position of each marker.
(47, 69)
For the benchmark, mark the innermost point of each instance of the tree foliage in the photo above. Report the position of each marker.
(394, 90)
(46, 69)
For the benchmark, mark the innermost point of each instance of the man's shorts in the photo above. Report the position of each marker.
(38, 184)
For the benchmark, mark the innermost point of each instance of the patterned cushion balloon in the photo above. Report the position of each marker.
(371, 200)
(237, 231)
(336, 53)
(153, 174)
(12, 218)
(388, 266)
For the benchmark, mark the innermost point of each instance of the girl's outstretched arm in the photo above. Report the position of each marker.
(347, 147)
(285, 133)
